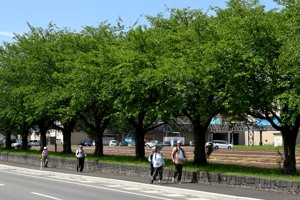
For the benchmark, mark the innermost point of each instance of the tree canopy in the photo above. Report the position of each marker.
(240, 61)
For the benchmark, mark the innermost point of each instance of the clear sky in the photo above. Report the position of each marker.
(75, 14)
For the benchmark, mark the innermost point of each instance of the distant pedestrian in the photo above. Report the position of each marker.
(151, 169)
(80, 158)
(158, 164)
(178, 156)
(45, 157)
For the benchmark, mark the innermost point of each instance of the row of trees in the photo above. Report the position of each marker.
(240, 61)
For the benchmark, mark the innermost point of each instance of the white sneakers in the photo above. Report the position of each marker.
(173, 181)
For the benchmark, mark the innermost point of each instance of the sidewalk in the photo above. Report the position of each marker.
(202, 190)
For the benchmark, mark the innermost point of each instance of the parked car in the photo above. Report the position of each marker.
(192, 143)
(167, 143)
(123, 143)
(18, 145)
(220, 144)
(86, 142)
(152, 143)
(35, 142)
(175, 143)
(113, 143)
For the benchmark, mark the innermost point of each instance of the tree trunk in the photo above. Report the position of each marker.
(8, 140)
(24, 134)
(99, 145)
(100, 128)
(199, 150)
(139, 142)
(43, 132)
(68, 127)
(289, 142)
(67, 141)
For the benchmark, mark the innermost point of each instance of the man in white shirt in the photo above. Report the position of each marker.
(80, 158)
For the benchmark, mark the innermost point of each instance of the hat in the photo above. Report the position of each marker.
(153, 148)
(45, 147)
(80, 146)
(178, 142)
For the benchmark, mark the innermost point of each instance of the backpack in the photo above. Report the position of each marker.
(181, 150)
(151, 156)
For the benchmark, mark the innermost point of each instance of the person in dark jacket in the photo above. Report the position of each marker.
(80, 158)
(151, 169)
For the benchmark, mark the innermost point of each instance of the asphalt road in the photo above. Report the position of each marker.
(18, 183)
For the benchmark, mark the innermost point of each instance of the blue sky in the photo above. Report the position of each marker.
(75, 14)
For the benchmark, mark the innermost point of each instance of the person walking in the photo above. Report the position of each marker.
(151, 169)
(158, 164)
(80, 158)
(178, 156)
(45, 157)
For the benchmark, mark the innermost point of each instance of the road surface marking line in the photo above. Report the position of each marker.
(149, 192)
(128, 188)
(87, 181)
(118, 186)
(197, 199)
(43, 195)
(1, 184)
(173, 195)
(99, 187)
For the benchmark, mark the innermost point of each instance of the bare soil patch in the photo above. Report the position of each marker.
(263, 159)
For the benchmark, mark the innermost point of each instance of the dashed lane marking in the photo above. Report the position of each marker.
(46, 196)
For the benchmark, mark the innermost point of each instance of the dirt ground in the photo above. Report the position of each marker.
(264, 159)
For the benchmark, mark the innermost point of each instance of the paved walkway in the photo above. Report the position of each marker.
(203, 190)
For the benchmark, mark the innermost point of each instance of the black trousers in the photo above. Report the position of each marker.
(80, 164)
(178, 171)
(158, 171)
(45, 161)
(151, 169)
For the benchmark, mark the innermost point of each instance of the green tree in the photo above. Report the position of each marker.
(250, 49)
(288, 68)
(194, 81)
(139, 99)
(15, 90)
(90, 82)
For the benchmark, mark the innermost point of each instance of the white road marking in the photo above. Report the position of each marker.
(128, 188)
(150, 191)
(87, 181)
(1, 184)
(99, 187)
(174, 195)
(43, 195)
(114, 186)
